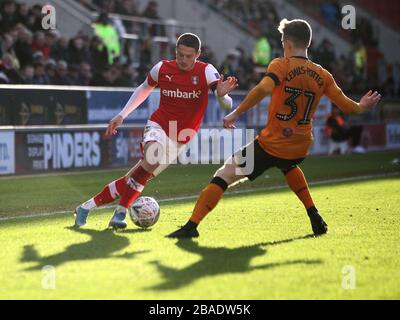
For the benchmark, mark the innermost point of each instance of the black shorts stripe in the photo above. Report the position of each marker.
(263, 161)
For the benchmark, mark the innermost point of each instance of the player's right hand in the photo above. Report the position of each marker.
(370, 100)
(229, 120)
(113, 125)
(226, 86)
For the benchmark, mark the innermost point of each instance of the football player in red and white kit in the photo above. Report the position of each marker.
(184, 84)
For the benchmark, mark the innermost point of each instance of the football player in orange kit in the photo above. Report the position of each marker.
(296, 85)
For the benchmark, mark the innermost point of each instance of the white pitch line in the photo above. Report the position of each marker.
(316, 183)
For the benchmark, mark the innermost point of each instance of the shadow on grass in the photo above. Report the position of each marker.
(101, 245)
(218, 261)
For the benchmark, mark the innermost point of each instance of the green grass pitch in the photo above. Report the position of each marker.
(254, 245)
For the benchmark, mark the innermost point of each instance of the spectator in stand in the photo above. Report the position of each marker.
(389, 87)
(364, 32)
(325, 55)
(27, 74)
(8, 49)
(374, 56)
(331, 11)
(23, 46)
(231, 66)
(38, 57)
(127, 8)
(106, 78)
(337, 132)
(146, 53)
(61, 77)
(39, 44)
(51, 38)
(9, 69)
(262, 51)
(108, 5)
(50, 69)
(40, 76)
(74, 75)
(60, 50)
(108, 33)
(3, 77)
(151, 12)
(8, 16)
(268, 25)
(98, 54)
(249, 75)
(23, 15)
(342, 72)
(21, 22)
(127, 76)
(360, 59)
(77, 51)
(207, 55)
(35, 24)
(85, 73)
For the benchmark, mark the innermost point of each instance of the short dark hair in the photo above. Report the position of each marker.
(298, 31)
(189, 40)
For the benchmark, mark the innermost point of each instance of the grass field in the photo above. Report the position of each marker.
(254, 245)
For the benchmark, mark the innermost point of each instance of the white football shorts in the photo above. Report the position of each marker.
(165, 152)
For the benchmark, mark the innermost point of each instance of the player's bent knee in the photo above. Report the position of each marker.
(157, 171)
(287, 170)
(220, 182)
(153, 156)
(150, 167)
(228, 173)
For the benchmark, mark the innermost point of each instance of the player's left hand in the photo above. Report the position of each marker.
(113, 125)
(229, 120)
(226, 86)
(370, 100)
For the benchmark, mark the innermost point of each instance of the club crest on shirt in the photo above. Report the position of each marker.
(287, 132)
(195, 80)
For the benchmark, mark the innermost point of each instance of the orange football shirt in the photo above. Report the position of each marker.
(300, 84)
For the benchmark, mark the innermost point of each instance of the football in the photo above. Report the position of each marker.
(144, 212)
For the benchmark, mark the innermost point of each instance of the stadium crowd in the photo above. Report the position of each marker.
(363, 68)
(30, 55)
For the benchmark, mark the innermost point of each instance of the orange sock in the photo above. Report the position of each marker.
(208, 199)
(298, 183)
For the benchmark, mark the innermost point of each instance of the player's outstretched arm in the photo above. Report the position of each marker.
(259, 92)
(347, 105)
(139, 95)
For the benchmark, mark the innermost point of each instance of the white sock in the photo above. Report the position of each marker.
(89, 205)
(120, 208)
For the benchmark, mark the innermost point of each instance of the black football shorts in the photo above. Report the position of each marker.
(264, 161)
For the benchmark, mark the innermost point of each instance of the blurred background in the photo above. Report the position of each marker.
(115, 42)
(83, 71)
